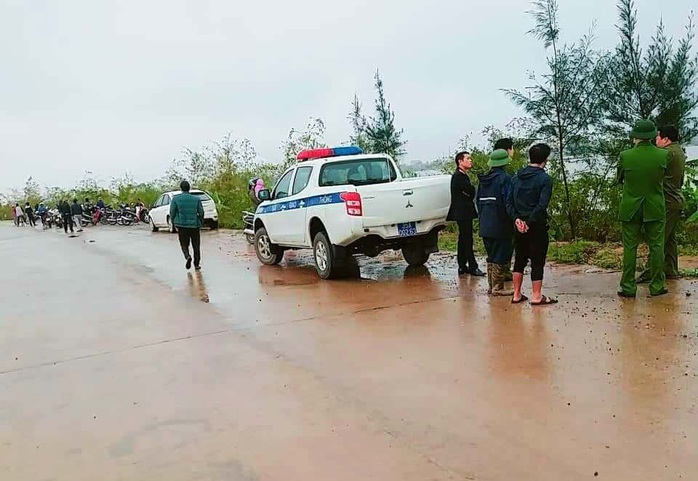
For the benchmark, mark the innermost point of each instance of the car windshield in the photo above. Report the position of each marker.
(357, 172)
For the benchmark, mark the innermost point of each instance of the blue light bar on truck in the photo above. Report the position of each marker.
(326, 152)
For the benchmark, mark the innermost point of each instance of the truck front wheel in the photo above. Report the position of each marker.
(325, 260)
(415, 254)
(268, 254)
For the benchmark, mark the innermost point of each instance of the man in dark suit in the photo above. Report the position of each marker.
(463, 212)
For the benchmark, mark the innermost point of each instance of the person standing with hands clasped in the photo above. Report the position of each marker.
(187, 214)
(463, 212)
(529, 196)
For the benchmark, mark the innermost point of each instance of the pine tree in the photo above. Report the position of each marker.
(565, 104)
(659, 84)
(380, 130)
(358, 126)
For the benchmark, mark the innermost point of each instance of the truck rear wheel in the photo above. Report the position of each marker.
(326, 262)
(268, 254)
(415, 254)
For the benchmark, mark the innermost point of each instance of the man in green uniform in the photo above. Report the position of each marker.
(668, 138)
(642, 207)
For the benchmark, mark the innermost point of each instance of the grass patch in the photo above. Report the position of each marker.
(692, 273)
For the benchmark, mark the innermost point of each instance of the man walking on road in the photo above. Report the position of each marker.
(668, 138)
(463, 212)
(76, 212)
(642, 207)
(187, 214)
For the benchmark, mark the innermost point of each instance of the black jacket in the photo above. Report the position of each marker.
(462, 199)
(531, 189)
(75, 209)
(64, 208)
(492, 195)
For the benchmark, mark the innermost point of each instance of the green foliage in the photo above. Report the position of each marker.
(565, 103)
(359, 125)
(313, 137)
(572, 252)
(377, 134)
(659, 84)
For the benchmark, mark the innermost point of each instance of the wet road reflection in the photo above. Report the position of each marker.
(197, 286)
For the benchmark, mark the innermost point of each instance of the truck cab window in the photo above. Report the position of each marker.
(283, 186)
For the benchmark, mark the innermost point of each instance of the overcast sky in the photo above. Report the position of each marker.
(115, 86)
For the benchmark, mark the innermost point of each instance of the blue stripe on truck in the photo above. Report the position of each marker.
(325, 199)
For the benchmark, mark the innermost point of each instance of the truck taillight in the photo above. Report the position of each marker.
(352, 200)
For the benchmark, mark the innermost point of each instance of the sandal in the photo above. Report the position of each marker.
(523, 299)
(545, 301)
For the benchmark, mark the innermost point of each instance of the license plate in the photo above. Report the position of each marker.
(407, 230)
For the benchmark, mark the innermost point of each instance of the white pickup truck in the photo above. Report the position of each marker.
(340, 202)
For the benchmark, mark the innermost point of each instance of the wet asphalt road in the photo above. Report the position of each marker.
(117, 364)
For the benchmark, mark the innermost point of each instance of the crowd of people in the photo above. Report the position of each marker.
(73, 216)
(513, 213)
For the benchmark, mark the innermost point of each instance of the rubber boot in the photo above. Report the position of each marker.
(498, 288)
(508, 276)
(489, 277)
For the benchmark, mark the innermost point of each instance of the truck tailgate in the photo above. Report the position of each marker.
(407, 200)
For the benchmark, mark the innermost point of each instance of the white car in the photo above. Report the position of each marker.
(340, 202)
(160, 211)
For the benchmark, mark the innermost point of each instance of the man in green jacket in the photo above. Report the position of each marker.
(641, 171)
(668, 138)
(187, 214)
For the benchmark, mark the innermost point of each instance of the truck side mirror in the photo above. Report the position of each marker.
(264, 195)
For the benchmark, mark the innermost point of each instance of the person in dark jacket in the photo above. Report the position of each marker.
(508, 145)
(64, 209)
(30, 214)
(463, 212)
(187, 214)
(531, 190)
(76, 212)
(496, 227)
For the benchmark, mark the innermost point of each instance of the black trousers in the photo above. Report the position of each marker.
(32, 222)
(188, 235)
(499, 251)
(532, 246)
(466, 256)
(67, 222)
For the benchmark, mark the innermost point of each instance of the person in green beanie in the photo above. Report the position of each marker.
(496, 227)
(642, 207)
(507, 144)
(668, 138)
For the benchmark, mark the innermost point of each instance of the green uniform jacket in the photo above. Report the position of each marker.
(673, 181)
(641, 171)
(186, 210)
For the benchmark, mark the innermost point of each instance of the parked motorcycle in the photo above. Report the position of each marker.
(248, 222)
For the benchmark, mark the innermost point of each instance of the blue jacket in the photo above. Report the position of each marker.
(492, 195)
(531, 190)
